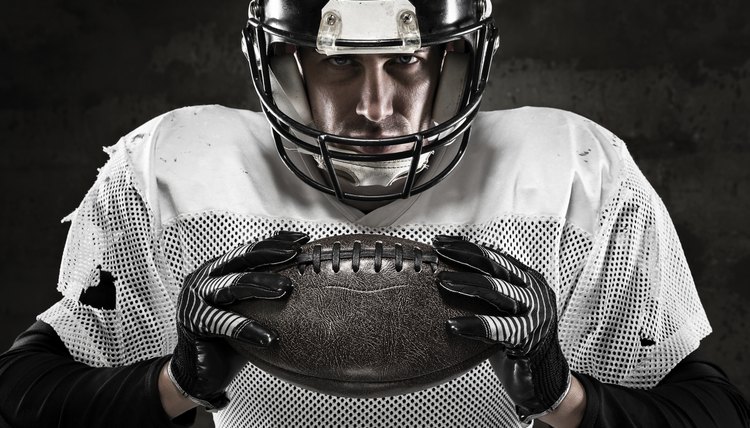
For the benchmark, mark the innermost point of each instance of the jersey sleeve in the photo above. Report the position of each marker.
(43, 387)
(633, 313)
(116, 307)
(695, 393)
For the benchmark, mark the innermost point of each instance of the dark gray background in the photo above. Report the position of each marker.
(672, 78)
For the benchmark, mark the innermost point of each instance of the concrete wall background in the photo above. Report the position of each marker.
(671, 78)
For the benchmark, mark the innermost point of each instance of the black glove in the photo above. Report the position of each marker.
(203, 363)
(532, 367)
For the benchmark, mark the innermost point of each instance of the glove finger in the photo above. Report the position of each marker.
(517, 271)
(255, 256)
(470, 327)
(483, 260)
(456, 243)
(251, 285)
(215, 322)
(291, 236)
(468, 259)
(256, 334)
(205, 286)
(501, 294)
(475, 261)
(511, 331)
(446, 239)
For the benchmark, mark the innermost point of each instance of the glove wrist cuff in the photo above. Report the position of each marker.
(551, 379)
(211, 406)
(528, 415)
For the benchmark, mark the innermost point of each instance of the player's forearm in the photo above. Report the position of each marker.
(173, 400)
(694, 394)
(571, 410)
(43, 386)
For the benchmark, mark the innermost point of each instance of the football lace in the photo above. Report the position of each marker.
(335, 254)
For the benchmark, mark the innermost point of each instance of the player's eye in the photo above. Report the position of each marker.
(340, 60)
(405, 59)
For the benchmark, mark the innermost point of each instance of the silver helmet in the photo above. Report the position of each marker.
(338, 27)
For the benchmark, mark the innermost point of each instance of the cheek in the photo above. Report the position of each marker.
(328, 104)
(320, 104)
(415, 98)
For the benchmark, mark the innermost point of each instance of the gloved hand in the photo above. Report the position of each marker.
(532, 367)
(203, 363)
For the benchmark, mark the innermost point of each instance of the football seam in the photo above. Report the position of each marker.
(352, 290)
(432, 378)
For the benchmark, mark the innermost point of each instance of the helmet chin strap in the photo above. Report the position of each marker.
(383, 173)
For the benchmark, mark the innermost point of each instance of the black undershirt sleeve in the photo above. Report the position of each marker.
(694, 394)
(41, 386)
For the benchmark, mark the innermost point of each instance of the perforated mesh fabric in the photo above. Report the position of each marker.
(258, 399)
(634, 305)
(475, 399)
(113, 230)
(627, 306)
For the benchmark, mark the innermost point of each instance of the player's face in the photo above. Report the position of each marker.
(371, 96)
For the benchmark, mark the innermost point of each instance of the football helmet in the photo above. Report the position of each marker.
(338, 27)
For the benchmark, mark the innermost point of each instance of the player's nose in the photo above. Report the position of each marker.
(376, 101)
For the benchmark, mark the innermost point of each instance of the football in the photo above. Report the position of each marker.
(365, 319)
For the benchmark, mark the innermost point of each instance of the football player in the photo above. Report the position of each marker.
(375, 127)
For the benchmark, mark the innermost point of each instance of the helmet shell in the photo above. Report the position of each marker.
(283, 96)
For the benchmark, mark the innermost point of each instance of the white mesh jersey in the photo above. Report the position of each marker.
(554, 189)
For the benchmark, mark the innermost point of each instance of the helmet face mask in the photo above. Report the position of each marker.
(331, 163)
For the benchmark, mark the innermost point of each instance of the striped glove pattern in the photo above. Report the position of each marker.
(203, 363)
(532, 367)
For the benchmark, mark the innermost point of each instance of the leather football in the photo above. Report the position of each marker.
(365, 319)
